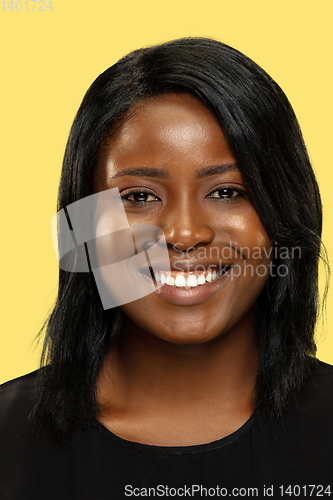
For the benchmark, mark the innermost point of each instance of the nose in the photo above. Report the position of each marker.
(185, 226)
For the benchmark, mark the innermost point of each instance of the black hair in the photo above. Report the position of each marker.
(265, 137)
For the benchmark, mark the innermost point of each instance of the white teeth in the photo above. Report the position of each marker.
(192, 280)
(180, 280)
(185, 280)
(170, 280)
(201, 279)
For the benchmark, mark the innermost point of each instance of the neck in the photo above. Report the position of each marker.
(145, 378)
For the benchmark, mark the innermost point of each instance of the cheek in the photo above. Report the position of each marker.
(260, 247)
(245, 233)
(253, 250)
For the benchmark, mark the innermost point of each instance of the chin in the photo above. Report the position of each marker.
(187, 331)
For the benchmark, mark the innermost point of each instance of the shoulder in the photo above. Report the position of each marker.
(297, 446)
(311, 410)
(313, 404)
(315, 401)
(19, 384)
(17, 400)
(323, 371)
(318, 389)
(308, 419)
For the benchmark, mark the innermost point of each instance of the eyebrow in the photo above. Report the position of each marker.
(216, 169)
(160, 173)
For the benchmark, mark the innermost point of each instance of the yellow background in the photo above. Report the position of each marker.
(48, 60)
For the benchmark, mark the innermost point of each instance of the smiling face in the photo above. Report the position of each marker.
(174, 169)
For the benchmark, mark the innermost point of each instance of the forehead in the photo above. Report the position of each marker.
(164, 129)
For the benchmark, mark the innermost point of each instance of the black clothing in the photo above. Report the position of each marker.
(94, 464)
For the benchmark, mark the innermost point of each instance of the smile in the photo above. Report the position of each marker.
(189, 286)
(185, 280)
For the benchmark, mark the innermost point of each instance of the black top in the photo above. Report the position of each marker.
(292, 458)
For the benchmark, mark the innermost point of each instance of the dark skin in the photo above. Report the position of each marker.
(184, 374)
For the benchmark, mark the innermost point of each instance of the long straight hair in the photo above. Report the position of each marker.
(264, 135)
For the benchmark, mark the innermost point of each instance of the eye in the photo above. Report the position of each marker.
(226, 193)
(139, 196)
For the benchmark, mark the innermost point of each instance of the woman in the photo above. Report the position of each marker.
(207, 385)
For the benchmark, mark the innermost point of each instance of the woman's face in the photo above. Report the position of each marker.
(174, 169)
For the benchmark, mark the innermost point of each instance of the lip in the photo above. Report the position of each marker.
(192, 296)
